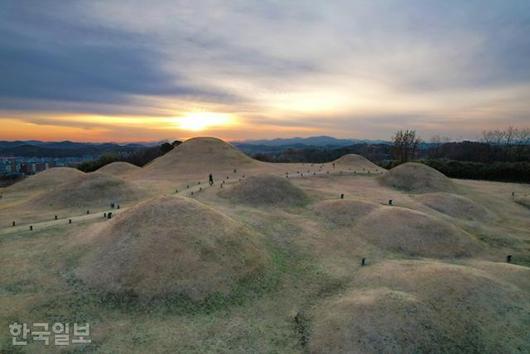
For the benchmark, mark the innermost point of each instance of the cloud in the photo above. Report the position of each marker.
(306, 64)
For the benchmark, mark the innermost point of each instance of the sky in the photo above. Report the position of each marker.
(152, 70)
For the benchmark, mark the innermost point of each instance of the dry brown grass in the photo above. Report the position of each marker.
(46, 180)
(91, 190)
(417, 178)
(199, 156)
(344, 212)
(415, 234)
(172, 245)
(266, 190)
(119, 168)
(454, 205)
(423, 307)
(356, 162)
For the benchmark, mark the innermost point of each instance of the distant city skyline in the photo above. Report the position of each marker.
(100, 71)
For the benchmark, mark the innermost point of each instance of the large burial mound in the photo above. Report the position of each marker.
(266, 190)
(47, 180)
(343, 212)
(119, 168)
(89, 190)
(356, 162)
(417, 178)
(199, 156)
(172, 246)
(421, 307)
(454, 205)
(415, 234)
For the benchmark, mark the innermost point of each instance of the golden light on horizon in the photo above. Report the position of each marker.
(199, 121)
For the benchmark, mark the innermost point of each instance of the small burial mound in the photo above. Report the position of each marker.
(266, 190)
(89, 190)
(172, 246)
(119, 168)
(415, 234)
(356, 162)
(47, 180)
(199, 156)
(422, 307)
(417, 178)
(454, 205)
(343, 212)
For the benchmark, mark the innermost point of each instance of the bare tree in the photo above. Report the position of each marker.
(405, 145)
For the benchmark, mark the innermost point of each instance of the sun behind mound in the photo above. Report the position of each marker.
(424, 307)
(172, 246)
(415, 234)
(417, 178)
(199, 156)
(266, 190)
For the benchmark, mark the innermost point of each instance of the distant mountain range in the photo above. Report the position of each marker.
(32, 148)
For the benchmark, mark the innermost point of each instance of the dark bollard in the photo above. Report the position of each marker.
(88, 212)
(112, 205)
(191, 193)
(188, 186)
(105, 215)
(513, 195)
(30, 227)
(69, 221)
(509, 258)
(390, 202)
(363, 262)
(342, 196)
(14, 223)
(55, 217)
(199, 182)
(176, 190)
(235, 170)
(200, 189)
(109, 216)
(118, 206)
(221, 185)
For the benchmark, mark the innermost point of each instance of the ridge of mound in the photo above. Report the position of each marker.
(415, 234)
(356, 161)
(524, 201)
(200, 155)
(422, 307)
(344, 212)
(454, 205)
(266, 190)
(118, 168)
(94, 189)
(47, 179)
(172, 245)
(417, 178)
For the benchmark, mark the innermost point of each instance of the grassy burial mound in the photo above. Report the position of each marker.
(172, 246)
(199, 156)
(91, 190)
(454, 205)
(343, 212)
(47, 180)
(119, 168)
(266, 190)
(421, 307)
(417, 178)
(415, 234)
(356, 162)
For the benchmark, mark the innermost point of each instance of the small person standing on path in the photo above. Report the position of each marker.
(210, 179)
